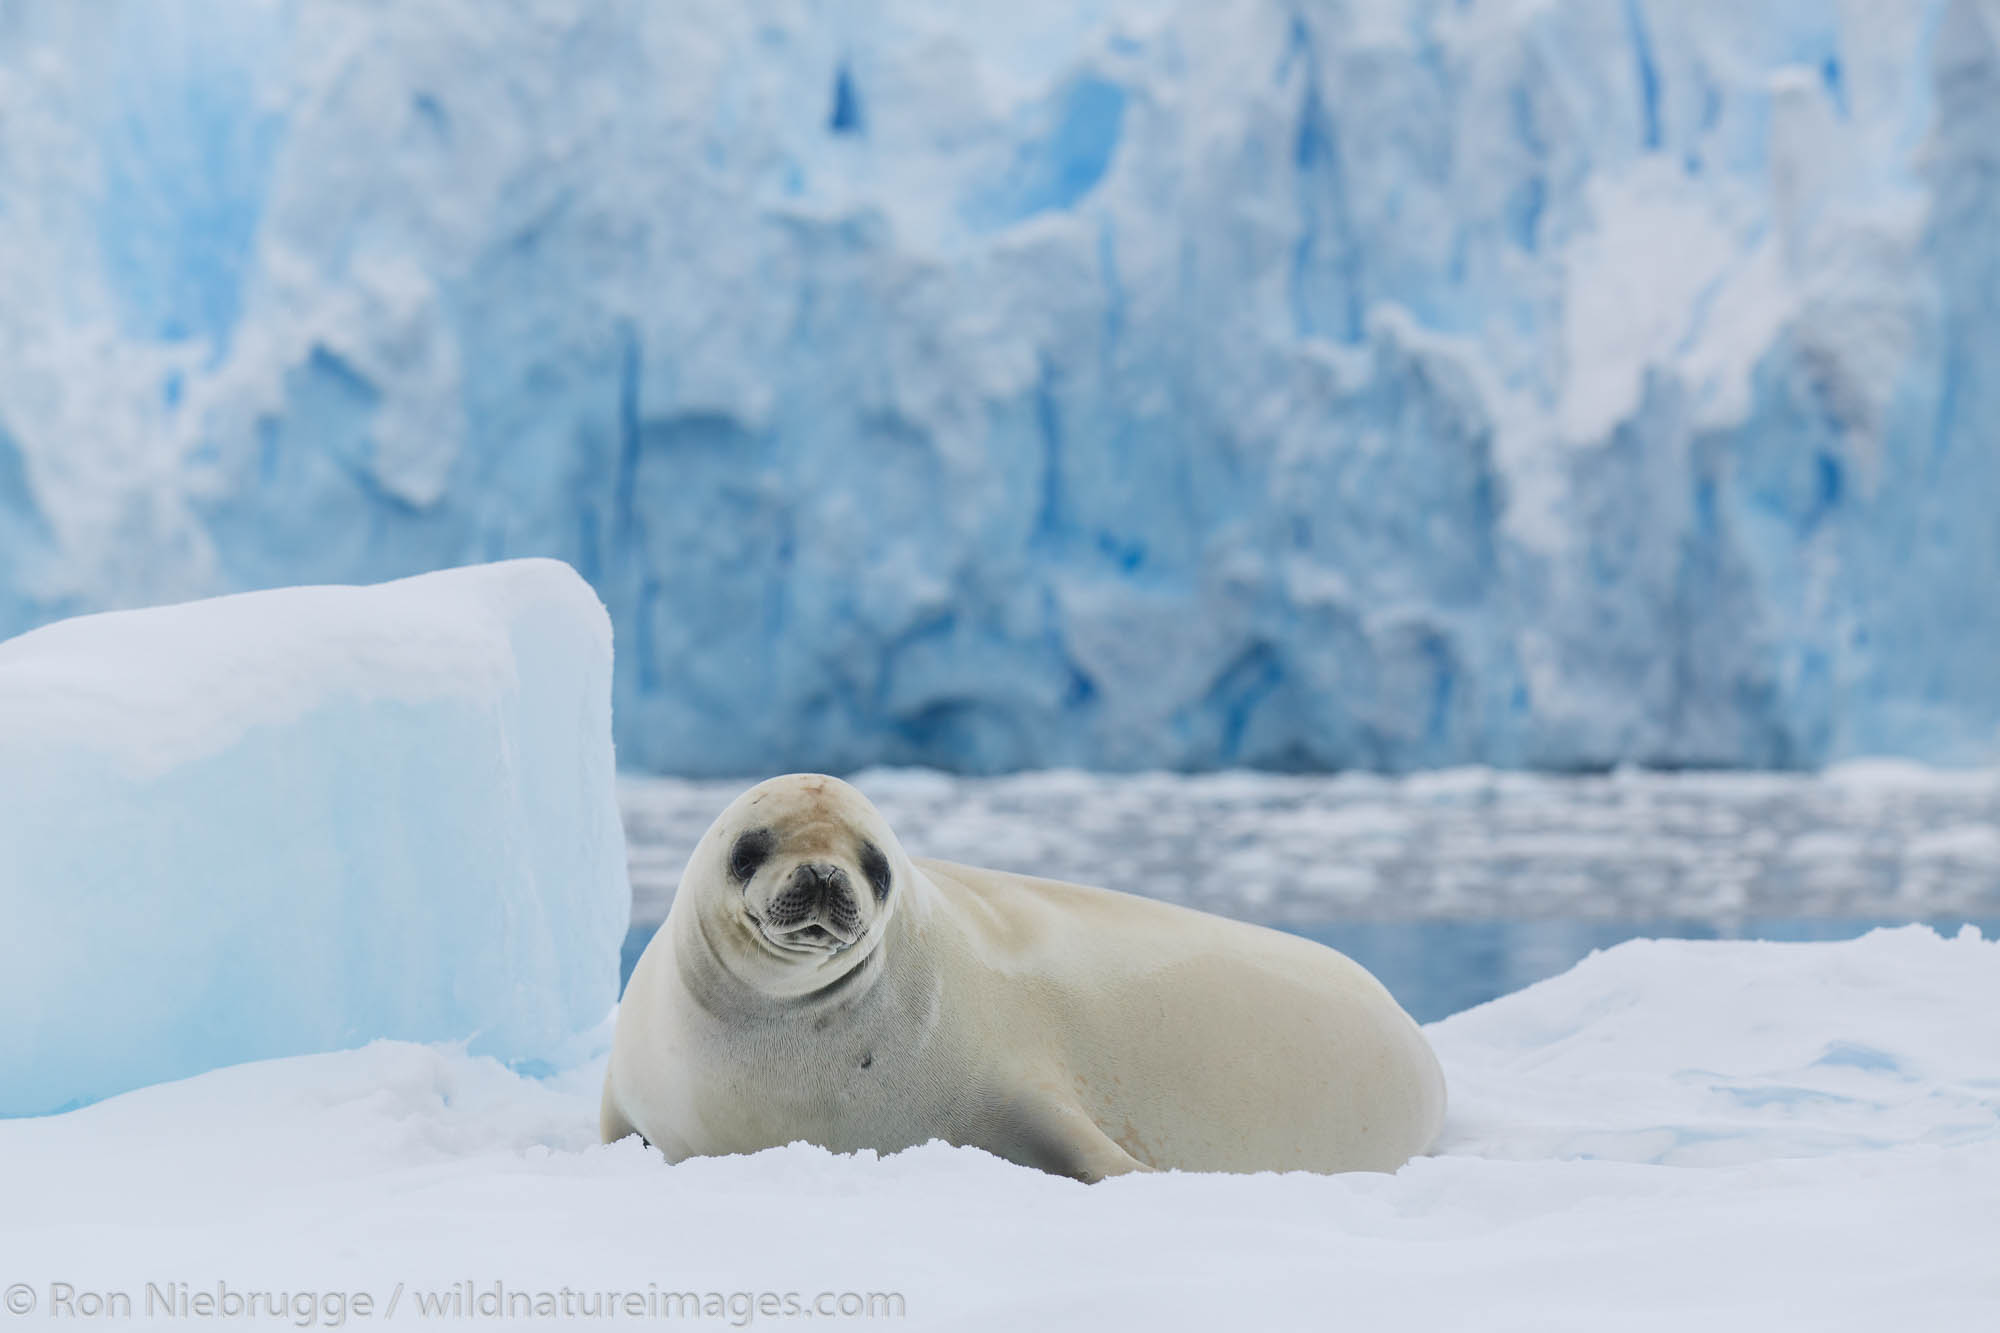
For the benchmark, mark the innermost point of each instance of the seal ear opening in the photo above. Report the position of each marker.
(876, 867)
(752, 850)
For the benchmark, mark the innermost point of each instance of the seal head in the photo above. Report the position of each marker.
(795, 884)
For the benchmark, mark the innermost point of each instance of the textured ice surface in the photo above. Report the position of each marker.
(291, 821)
(1717, 1136)
(1864, 840)
(1143, 383)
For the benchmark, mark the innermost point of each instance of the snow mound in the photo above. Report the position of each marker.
(292, 821)
(1716, 1053)
(1672, 1135)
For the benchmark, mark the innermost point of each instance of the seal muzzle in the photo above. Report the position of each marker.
(815, 910)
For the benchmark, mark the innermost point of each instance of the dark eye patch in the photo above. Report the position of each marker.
(751, 850)
(876, 867)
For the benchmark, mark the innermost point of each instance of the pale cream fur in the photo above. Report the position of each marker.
(1074, 1029)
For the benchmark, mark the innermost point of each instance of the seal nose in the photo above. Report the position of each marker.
(820, 878)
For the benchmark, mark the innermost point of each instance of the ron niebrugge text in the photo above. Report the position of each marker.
(460, 1300)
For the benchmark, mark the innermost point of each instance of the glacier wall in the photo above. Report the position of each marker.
(1554, 383)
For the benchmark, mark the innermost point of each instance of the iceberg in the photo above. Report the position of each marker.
(1140, 383)
(295, 821)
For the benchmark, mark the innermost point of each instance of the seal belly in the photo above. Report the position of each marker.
(1245, 1067)
(1203, 1044)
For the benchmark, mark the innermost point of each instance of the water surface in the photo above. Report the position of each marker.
(1436, 968)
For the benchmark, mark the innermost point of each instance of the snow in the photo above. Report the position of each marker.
(1740, 1136)
(288, 822)
(1137, 384)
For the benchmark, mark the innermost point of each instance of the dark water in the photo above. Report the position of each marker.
(1866, 842)
(1437, 968)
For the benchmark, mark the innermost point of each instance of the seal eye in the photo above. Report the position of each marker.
(751, 850)
(876, 867)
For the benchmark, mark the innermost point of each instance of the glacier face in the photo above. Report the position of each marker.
(1531, 382)
(294, 821)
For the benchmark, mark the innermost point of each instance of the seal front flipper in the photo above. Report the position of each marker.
(1054, 1135)
(611, 1122)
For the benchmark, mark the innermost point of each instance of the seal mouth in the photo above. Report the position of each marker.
(808, 937)
(812, 938)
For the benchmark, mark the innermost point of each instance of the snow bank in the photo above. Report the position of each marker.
(1730, 1052)
(1675, 1135)
(293, 821)
(1137, 383)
